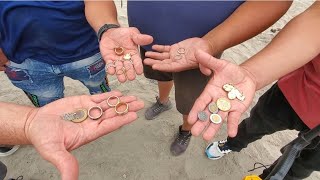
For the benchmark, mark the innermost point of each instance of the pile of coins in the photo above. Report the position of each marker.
(222, 104)
(81, 114)
(233, 92)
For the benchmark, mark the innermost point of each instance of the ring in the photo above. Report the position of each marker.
(92, 108)
(181, 50)
(113, 97)
(119, 50)
(121, 71)
(110, 65)
(121, 112)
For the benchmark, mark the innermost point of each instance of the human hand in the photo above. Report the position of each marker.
(3, 61)
(224, 72)
(129, 39)
(53, 137)
(177, 57)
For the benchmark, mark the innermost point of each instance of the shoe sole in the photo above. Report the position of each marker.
(211, 158)
(13, 150)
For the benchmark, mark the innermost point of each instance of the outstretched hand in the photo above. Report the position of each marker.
(53, 137)
(177, 57)
(129, 39)
(224, 72)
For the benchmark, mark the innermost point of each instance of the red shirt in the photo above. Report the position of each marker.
(302, 89)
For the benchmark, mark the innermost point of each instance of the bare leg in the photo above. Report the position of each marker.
(185, 126)
(164, 90)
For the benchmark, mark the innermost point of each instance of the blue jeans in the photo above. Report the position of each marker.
(43, 83)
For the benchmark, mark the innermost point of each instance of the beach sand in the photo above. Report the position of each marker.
(141, 150)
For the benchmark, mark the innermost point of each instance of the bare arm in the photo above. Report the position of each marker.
(294, 46)
(13, 119)
(247, 21)
(99, 13)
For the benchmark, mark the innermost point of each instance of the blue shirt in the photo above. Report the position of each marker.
(170, 22)
(46, 31)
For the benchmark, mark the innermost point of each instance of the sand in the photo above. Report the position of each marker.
(141, 149)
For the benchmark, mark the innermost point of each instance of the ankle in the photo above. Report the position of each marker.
(163, 100)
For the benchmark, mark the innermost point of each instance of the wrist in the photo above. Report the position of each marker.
(250, 75)
(28, 123)
(104, 29)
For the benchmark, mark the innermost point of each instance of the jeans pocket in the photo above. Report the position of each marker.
(17, 75)
(96, 67)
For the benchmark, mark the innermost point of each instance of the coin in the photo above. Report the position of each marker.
(213, 108)
(228, 87)
(223, 104)
(127, 57)
(233, 94)
(202, 116)
(67, 116)
(240, 96)
(80, 115)
(215, 118)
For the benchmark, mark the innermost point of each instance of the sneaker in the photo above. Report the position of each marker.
(3, 170)
(181, 142)
(157, 108)
(8, 150)
(217, 149)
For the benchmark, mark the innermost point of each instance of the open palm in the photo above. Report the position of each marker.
(128, 39)
(168, 58)
(224, 72)
(53, 137)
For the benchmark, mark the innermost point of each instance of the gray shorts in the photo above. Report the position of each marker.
(188, 84)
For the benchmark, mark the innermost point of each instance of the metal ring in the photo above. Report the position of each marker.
(113, 97)
(110, 65)
(119, 50)
(181, 50)
(92, 108)
(122, 112)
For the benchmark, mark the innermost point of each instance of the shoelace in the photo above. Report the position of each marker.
(262, 166)
(157, 107)
(18, 178)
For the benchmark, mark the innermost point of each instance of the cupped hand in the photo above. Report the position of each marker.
(224, 72)
(128, 38)
(53, 137)
(177, 57)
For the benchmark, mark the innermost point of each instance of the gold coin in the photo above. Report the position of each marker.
(215, 118)
(80, 115)
(213, 108)
(228, 87)
(223, 104)
(233, 94)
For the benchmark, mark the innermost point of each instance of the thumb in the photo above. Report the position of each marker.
(66, 163)
(142, 39)
(208, 61)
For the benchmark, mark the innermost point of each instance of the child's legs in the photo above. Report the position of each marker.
(91, 72)
(36, 80)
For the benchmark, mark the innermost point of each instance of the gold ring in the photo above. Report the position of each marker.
(181, 50)
(113, 97)
(92, 108)
(119, 50)
(122, 112)
(121, 71)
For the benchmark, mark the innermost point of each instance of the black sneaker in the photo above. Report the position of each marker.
(156, 109)
(3, 171)
(181, 142)
(8, 150)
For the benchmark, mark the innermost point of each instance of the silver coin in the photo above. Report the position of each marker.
(202, 116)
(241, 97)
(228, 87)
(232, 94)
(215, 118)
(213, 108)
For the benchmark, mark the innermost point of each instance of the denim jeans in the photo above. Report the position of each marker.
(273, 113)
(43, 83)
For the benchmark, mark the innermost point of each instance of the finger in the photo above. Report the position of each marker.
(137, 64)
(233, 122)
(204, 70)
(120, 72)
(157, 55)
(209, 61)
(106, 127)
(161, 48)
(168, 67)
(110, 67)
(131, 73)
(142, 39)
(211, 131)
(98, 98)
(200, 104)
(66, 163)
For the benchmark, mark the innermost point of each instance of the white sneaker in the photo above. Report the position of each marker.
(217, 150)
(7, 151)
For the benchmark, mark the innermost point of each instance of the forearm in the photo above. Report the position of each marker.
(13, 119)
(250, 19)
(99, 13)
(294, 46)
